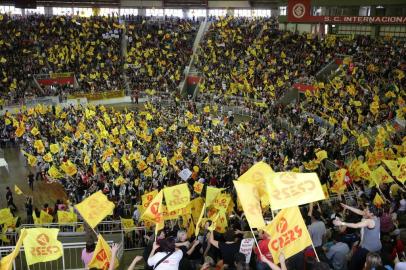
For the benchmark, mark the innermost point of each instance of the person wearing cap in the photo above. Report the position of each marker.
(370, 234)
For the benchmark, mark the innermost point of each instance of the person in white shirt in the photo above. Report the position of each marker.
(168, 256)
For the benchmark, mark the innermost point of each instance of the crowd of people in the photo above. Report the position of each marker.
(91, 48)
(158, 52)
(128, 153)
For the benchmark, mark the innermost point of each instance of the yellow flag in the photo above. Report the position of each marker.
(198, 187)
(195, 207)
(32, 160)
(189, 115)
(206, 160)
(41, 245)
(47, 157)
(197, 229)
(344, 139)
(363, 141)
(378, 201)
(106, 166)
(380, 175)
(287, 189)
(128, 224)
(142, 165)
(5, 215)
(321, 155)
(206, 109)
(177, 197)
(222, 201)
(45, 218)
(39, 146)
(257, 175)
(6, 262)
(148, 172)
(401, 176)
(221, 222)
(20, 130)
(54, 148)
(364, 171)
(153, 212)
(65, 217)
(54, 172)
(250, 201)
(102, 255)
(17, 190)
(217, 149)
(34, 131)
(392, 166)
(211, 194)
(95, 208)
(288, 234)
(148, 197)
(69, 168)
(339, 176)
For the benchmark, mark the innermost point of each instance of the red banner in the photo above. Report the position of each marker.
(53, 81)
(361, 19)
(300, 11)
(304, 87)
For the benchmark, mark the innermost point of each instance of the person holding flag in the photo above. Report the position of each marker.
(168, 256)
(370, 234)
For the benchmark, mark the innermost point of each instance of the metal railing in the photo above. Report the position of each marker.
(70, 260)
(132, 239)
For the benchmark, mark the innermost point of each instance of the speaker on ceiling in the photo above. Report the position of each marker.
(26, 4)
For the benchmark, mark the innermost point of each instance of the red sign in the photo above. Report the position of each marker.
(304, 87)
(300, 11)
(361, 19)
(53, 81)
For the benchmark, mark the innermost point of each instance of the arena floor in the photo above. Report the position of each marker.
(17, 175)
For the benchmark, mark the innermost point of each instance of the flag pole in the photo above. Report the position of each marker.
(255, 239)
(315, 252)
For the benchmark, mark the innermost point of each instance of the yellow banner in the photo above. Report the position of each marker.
(95, 208)
(211, 194)
(250, 201)
(288, 234)
(65, 217)
(288, 189)
(61, 75)
(128, 224)
(195, 208)
(5, 215)
(198, 187)
(258, 175)
(17, 190)
(177, 197)
(148, 197)
(42, 245)
(100, 95)
(6, 262)
(153, 212)
(221, 202)
(102, 255)
(45, 218)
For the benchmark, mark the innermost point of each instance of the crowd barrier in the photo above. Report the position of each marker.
(133, 238)
(71, 259)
